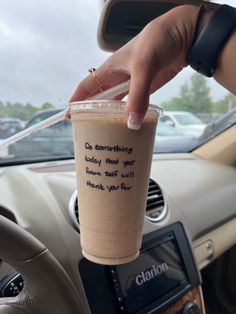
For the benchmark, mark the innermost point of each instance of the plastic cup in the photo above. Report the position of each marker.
(112, 170)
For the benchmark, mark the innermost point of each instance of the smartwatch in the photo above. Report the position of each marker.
(204, 53)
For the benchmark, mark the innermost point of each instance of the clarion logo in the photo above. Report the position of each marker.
(154, 271)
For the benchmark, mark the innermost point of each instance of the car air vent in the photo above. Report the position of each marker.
(156, 208)
(73, 210)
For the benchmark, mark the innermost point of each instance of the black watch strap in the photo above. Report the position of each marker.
(204, 53)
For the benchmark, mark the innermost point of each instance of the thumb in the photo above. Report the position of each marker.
(138, 99)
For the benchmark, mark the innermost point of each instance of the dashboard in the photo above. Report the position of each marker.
(194, 225)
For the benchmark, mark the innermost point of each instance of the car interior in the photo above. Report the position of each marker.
(188, 253)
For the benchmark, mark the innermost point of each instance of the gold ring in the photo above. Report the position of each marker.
(92, 71)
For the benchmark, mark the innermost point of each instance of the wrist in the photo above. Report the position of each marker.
(204, 53)
(225, 71)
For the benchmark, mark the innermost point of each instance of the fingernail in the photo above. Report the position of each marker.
(134, 121)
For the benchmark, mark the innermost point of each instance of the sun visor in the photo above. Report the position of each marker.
(121, 20)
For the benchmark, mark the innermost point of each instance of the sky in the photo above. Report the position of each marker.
(47, 47)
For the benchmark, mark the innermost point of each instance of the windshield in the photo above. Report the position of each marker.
(47, 48)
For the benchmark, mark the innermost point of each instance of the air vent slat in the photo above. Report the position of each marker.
(152, 186)
(158, 202)
(153, 206)
(154, 192)
(156, 205)
(155, 200)
(154, 196)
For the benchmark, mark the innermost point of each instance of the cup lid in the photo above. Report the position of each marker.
(117, 105)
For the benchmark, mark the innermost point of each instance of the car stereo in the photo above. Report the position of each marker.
(164, 271)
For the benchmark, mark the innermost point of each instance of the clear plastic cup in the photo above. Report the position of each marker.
(112, 170)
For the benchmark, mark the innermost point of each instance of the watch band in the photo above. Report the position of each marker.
(204, 53)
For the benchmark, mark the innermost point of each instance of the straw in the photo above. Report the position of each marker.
(109, 93)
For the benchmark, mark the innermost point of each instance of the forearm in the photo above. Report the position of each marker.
(225, 72)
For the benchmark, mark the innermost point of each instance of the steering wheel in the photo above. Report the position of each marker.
(47, 287)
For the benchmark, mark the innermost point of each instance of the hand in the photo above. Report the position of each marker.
(150, 60)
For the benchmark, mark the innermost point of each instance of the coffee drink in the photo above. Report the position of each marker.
(112, 170)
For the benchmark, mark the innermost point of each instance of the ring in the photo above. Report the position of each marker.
(92, 71)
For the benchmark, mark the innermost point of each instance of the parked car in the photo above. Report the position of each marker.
(3, 151)
(184, 121)
(181, 142)
(55, 140)
(171, 140)
(10, 126)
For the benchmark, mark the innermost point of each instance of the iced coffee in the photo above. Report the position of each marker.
(112, 169)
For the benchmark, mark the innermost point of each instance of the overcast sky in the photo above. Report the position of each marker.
(47, 48)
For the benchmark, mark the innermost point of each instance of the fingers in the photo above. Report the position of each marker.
(90, 87)
(85, 89)
(67, 115)
(138, 99)
(163, 77)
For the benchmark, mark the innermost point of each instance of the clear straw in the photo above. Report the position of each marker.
(107, 94)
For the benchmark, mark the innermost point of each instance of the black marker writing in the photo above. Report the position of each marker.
(88, 146)
(122, 186)
(108, 181)
(93, 160)
(112, 161)
(112, 188)
(96, 186)
(115, 148)
(111, 173)
(92, 172)
(125, 187)
(128, 175)
(128, 163)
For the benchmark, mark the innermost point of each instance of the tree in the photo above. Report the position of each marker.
(174, 104)
(226, 104)
(194, 96)
(200, 94)
(46, 105)
(21, 111)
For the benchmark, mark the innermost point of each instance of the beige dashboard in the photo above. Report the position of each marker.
(198, 193)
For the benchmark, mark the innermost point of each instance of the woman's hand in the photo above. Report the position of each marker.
(149, 60)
